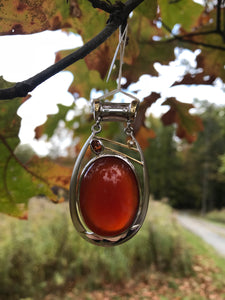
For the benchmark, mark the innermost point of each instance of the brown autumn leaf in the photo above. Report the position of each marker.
(143, 135)
(204, 19)
(51, 172)
(84, 78)
(22, 17)
(145, 104)
(188, 125)
(100, 59)
(200, 78)
(38, 132)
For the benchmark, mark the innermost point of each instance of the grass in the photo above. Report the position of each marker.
(216, 216)
(208, 257)
(45, 254)
(44, 258)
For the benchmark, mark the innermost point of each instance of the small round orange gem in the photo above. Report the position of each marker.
(96, 146)
(109, 196)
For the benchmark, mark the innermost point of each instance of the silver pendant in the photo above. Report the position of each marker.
(109, 194)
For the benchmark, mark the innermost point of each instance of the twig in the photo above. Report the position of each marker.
(184, 38)
(172, 39)
(215, 47)
(218, 16)
(21, 89)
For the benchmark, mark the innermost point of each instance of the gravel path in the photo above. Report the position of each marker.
(211, 233)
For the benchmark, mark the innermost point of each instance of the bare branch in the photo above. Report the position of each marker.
(117, 18)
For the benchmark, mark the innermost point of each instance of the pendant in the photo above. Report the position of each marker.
(109, 194)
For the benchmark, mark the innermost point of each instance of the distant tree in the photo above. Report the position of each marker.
(209, 146)
(191, 176)
(161, 159)
(201, 160)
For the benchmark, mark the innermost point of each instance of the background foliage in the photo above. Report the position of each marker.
(193, 175)
(33, 265)
(185, 154)
(43, 258)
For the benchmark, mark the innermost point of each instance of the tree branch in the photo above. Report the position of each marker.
(183, 40)
(106, 6)
(117, 18)
(186, 38)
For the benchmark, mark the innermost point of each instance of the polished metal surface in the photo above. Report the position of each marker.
(115, 112)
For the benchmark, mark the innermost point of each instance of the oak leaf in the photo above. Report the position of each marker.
(188, 125)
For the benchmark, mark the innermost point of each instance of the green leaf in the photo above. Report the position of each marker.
(52, 122)
(151, 52)
(147, 9)
(183, 12)
(9, 120)
(9, 129)
(19, 181)
(17, 185)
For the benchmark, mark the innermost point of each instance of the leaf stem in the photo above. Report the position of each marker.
(5, 178)
(5, 143)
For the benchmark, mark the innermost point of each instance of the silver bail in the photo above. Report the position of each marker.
(114, 112)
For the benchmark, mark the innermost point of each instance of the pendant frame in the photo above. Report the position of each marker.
(78, 170)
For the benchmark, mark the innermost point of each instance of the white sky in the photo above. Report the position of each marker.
(24, 56)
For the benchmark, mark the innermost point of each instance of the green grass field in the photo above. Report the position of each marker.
(45, 257)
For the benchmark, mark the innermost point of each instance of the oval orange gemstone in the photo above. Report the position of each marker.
(109, 196)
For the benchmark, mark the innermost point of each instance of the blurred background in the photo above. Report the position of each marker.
(179, 252)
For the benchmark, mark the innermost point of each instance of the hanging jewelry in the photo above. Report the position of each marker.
(109, 195)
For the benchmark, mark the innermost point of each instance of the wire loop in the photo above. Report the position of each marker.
(96, 128)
